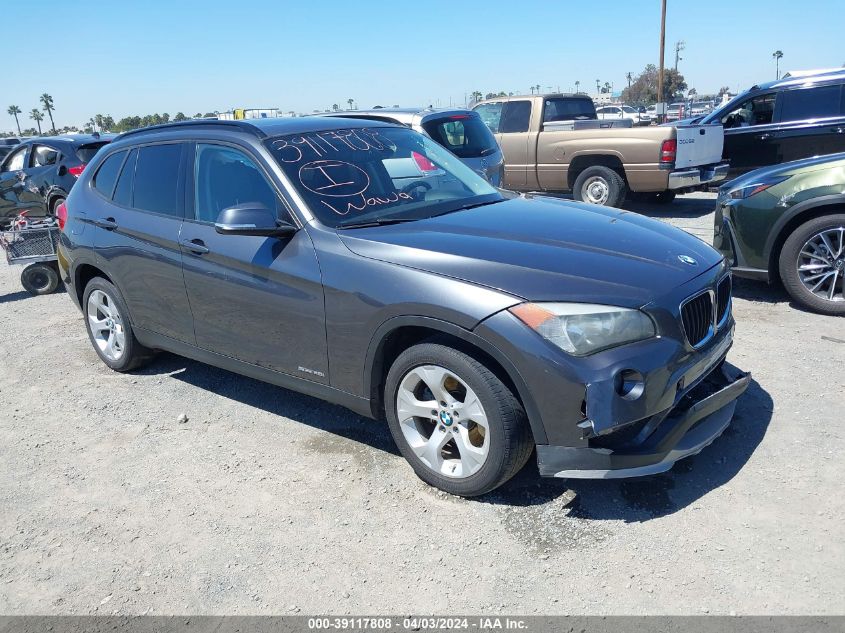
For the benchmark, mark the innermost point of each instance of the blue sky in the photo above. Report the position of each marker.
(137, 57)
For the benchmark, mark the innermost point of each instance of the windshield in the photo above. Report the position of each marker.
(377, 174)
(86, 152)
(465, 135)
(629, 109)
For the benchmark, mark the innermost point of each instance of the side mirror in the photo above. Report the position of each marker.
(252, 218)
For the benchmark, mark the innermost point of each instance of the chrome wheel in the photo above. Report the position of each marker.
(821, 264)
(106, 325)
(595, 190)
(443, 421)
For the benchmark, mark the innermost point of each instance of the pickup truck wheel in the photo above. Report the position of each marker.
(600, 185)
(812, 264)
(457, 424)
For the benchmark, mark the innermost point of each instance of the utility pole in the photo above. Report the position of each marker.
(679, 46)
(662, 47)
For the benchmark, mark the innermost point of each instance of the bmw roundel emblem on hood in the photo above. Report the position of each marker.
(687, 260)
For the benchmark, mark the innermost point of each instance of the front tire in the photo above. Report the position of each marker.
(461, 429)
(109, 329)
(812, 264)
(600, 185)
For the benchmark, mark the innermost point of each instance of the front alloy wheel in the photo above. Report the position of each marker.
(443, 421)
(458, 425)
(812, 264)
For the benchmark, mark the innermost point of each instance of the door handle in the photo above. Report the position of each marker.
(105, 223)
(195, 246)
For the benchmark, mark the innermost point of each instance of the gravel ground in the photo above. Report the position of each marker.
(266, 501)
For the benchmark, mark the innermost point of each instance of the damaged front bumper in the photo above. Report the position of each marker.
(654, 444)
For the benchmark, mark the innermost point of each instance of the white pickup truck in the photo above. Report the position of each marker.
(555, 143)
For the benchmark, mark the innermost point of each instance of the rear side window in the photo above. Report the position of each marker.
(811, 103)
(106, 176)
(43, 156)
(571, 110)
(156, 187)
(464, 135)
(491, 115)
(515, 116)
(123, 192)
(86, 152)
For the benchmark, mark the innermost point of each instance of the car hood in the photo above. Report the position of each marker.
(545, 249)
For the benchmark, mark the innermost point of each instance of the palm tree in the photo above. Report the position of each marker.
(335, 107)
(577, 87)
(47, 103)
(777, 55)
(15, 111)
(538, 88)
(628, 77)
(36, 116)
(476, 96)
(350, 102)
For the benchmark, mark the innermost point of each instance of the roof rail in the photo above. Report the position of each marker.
(208, 123)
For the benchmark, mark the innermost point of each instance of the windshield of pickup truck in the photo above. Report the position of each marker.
(374, 175)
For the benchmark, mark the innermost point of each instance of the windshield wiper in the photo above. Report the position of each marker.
(374, 222)
(469, 206)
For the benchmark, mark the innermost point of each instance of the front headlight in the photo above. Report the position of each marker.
(583, 328)
(746, 191)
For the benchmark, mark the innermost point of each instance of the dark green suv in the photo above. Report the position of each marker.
(788, 223)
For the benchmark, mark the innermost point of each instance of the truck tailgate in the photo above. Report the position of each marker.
(699, 145)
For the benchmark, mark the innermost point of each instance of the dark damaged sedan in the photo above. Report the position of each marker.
(363, 264)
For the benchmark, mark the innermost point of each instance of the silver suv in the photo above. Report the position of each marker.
(460, 131)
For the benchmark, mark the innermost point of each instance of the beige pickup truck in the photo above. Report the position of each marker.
(555, 143)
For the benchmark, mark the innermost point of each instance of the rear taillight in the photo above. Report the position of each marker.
(76, 171)
(423, 163)
(61, 215)
(668, 151)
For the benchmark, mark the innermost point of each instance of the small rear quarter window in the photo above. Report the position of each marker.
(106, 176)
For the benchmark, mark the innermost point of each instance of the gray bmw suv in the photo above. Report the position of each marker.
(363, 264)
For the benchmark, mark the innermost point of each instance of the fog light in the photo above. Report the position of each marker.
(629, 384)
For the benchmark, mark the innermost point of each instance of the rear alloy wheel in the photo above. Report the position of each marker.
(109, 329)
(55, 205)
(600, 185)
(458, 425)
(812, 264)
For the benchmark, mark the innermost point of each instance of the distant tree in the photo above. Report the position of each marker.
(209, 115)
(98, 121)
(47, 104)
(350, 102)
(396, 106)
(476, 95)
(108, 123)
(644, 87)
(180, 116)
(15, 111)
(165, 118)
(777, 55)
(724, 90)
(335, 107)
(692, 92)
(606, 88)
(198, 115)
(36, 116)
(577, 87)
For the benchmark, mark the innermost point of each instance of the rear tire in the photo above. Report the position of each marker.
(40, 279)
(55, 205)
(109, 329)
(800, 272)
(466, 433)
(600, 185)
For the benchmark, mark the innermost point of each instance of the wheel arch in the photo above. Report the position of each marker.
(399, 333)
(584, 161)
(798, 215)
